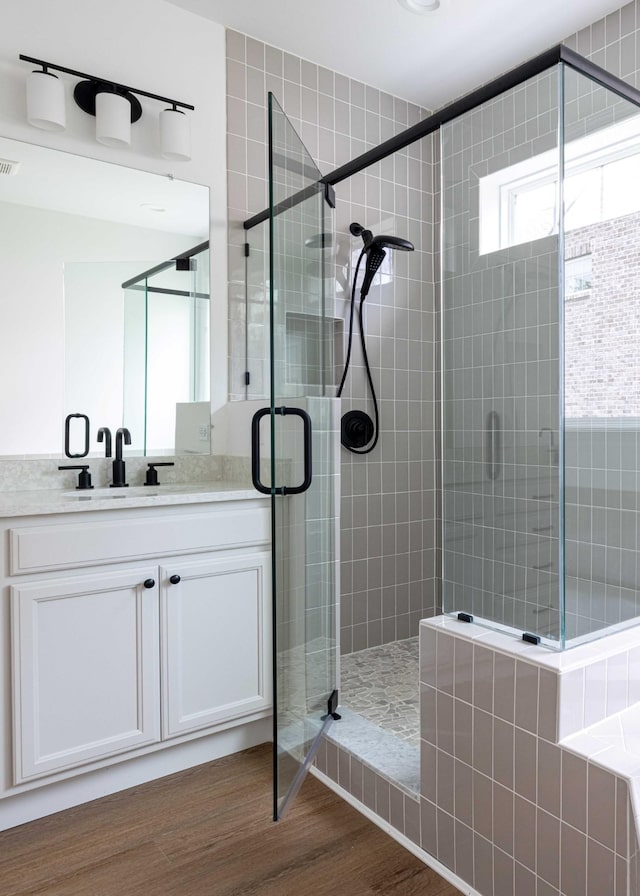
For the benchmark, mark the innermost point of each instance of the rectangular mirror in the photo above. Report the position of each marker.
(98, 316)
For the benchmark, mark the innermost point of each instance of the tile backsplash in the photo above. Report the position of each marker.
(32, 475)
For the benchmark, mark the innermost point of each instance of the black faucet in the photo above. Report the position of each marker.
(104, 434)
(119, 480)
(84, 477)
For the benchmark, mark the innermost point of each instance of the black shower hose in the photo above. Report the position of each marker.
(376, 416)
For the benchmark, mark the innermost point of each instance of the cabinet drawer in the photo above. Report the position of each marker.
(64, 546)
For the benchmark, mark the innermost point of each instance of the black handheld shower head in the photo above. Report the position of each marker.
(375, 256)
(392, 242)
(382, 241)
(356, 435)
(374, 247)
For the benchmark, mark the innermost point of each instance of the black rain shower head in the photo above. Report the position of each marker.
(374, 247)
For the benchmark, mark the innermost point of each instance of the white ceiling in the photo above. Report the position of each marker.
(428, 59)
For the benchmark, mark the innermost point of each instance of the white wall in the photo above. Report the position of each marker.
(150, 45)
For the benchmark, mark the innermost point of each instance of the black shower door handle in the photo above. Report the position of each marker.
(255, 451)
(493, 445)
(67, 435)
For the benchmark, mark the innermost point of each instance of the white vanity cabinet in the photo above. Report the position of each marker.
(131, 632)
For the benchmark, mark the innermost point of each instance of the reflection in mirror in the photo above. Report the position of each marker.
(73, 231)
(166, 354)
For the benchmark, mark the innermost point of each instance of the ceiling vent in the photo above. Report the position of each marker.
(8, 167)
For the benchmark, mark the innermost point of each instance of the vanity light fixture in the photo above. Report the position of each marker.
(114, 113)
(45, 100)
(114, 105)
(420, 6)
(175, 138)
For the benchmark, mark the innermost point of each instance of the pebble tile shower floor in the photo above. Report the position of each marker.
(381, 684)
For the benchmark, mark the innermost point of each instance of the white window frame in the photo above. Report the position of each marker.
(497, 191)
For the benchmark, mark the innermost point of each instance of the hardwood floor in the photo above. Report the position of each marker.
(207, 832)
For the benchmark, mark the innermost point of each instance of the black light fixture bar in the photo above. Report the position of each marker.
(458, 107)
(97, 80)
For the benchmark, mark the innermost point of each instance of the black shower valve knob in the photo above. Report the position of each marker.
(357, 429)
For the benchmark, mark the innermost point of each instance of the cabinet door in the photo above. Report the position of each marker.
(85, 657)
(215, 641)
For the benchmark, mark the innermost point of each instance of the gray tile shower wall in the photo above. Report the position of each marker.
(503, 804)
(613, 42)
(388, 497)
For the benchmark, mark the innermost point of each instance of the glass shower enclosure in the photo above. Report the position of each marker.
(540, 320)
(166, 355)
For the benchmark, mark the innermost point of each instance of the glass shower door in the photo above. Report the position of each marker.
(303, 444)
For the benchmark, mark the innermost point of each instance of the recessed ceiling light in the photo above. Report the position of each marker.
(420, 6)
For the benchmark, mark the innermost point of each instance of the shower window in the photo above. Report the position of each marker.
(531, 212)
(520, 202)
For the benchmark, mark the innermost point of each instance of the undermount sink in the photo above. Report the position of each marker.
(133, 491)
(136, 491)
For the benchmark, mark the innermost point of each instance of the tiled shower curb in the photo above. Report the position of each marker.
(400, 837)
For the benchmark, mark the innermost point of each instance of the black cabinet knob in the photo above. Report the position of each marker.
(149, 583)
(174, 579)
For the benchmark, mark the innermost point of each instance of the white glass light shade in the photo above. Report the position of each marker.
(175, 136)
(45, 101)
(113, 119)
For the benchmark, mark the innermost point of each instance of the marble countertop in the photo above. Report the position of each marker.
(45, 501)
